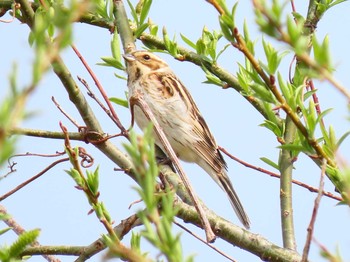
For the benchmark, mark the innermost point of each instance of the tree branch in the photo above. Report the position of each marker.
(238, 236)
(286, 161)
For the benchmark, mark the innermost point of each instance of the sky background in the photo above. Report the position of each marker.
(53, 204)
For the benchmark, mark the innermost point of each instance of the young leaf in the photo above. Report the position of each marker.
(269, 162)
(119, 101)
(140, 29)
(23, 240)
(188, 41)
(145, 10)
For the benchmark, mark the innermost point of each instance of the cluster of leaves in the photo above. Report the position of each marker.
(158, 215)
(140, 14)
(52, 32)
(10, 115)
(89, 184)
(297, 36)
(139, 25)
(13, 252)
(12, 111)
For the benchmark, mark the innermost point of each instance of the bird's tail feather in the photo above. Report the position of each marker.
(226, 184)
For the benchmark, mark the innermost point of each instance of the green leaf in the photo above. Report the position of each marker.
(228, 20)
(269, 162)
(212, 79)
(23, 240)
(226, 30)
(323, 114)
(222, 51)
(153, 29)
(297, 39)
(76, 176)
(336, 2)
(119, 101)
(188, 41)
(135, 241)
(342, 138)
(120, 76)
(145, 10)
(263, 93)
(308, 94)
(3, 231)
(273, 127)
(299, 18)
(106, 213)
(140, 29)
(133, 12)
(51, 30)
(273, 57)
(166, 39)
(322, 53)
(310, 117)
(111, 61)
(115, 46)
(286, 89)
(200, 47)
(93, 181)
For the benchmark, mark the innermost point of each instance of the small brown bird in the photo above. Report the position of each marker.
(180, 119)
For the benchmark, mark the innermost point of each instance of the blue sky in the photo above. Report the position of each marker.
(53, 204)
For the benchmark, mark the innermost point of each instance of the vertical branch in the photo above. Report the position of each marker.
(286, 168)
(123, 27)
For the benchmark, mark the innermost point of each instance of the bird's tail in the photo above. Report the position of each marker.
(226, 185)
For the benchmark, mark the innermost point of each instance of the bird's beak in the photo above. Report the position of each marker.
(129, 57)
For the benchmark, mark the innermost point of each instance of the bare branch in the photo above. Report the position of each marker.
(310, 228)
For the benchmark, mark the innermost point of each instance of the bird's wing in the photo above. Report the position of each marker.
(206, 146)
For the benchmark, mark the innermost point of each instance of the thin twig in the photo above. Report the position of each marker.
(311, 226)
(32, 178)
(293, 6)
(100, 88)
(12, 164)
(138, 100)
(37, 154)
(275, 175)
(65, 113)
(93, 96)
(203, 241)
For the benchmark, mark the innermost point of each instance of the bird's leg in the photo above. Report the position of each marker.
(132, 103)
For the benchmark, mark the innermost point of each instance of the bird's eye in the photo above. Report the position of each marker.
(146, 57)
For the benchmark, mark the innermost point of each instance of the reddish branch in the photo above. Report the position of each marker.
(272, 174)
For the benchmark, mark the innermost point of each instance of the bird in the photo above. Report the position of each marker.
(180, 119)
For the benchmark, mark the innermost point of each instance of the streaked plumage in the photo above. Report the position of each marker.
(180, 119)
